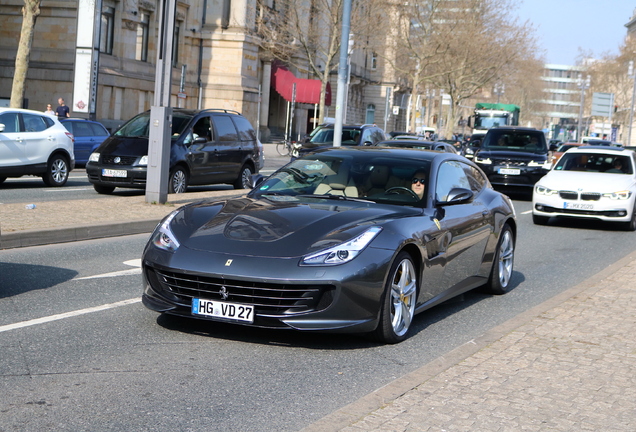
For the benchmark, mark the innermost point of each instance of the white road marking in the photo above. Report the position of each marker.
(79, 312)
(68, 189)
(134, 263)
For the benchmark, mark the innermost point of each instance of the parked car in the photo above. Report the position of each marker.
(34, 143)
(595, 182)
(207, 147)
(418, 144)
(513, 156)
(339, 240)
(556, 155)
(362, 135)
(88, 136)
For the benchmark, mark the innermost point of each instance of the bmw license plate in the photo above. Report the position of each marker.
(578, 206)
(114, 173)
(509, 171)
(218, 309)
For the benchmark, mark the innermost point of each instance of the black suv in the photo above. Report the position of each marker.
(362, 135)
(513, 156)
(208, 146)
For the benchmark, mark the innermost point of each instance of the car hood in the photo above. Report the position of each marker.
(512, 155)
(124, 146)
(260, 227)
(587, 181)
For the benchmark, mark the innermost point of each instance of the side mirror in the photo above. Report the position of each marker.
(256, 180)
(367, 143)
(1, 127)
(553, 147)
(457, 196)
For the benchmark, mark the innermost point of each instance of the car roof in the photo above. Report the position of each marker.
(599, 149)
(3, 109)
(398, 152)
(514, 128)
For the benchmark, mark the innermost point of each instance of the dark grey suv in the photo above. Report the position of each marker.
(208, 147)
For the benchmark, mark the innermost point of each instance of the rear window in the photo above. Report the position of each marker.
(521, 141)
(225, 128)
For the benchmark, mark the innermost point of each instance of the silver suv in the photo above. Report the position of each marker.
(34, 143)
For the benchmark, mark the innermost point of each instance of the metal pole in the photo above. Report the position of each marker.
(387, 105)
(342, 72)
(631, 111)
(584, 85)
(439, 119)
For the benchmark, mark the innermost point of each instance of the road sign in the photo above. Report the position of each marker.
(602, 104)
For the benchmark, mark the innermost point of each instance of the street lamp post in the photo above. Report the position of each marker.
(500, 88)
(583, 85)
(631, 74)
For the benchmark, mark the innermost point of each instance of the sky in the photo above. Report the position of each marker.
(562, 26)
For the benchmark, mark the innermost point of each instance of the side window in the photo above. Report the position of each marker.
(81, 129)
(476, 179)
(98, 130)
(450, 175)
(10, 121)
(225, 128)
(202, 128)
(245, 130)
(69, 126)
(33, 123)
(366, 136)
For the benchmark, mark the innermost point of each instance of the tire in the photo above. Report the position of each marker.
(178, 181)
(57, 171)
(540, 220)
(103, 189)
(502, 265)
(244, 180)
(631, 225)
(398, 301)
(282, 149)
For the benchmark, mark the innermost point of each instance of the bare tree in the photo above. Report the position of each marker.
(30, 12)
(306, 34)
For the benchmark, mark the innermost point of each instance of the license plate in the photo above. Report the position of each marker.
(218, 309)
(114, 173)
(578, 206)
(509, 171)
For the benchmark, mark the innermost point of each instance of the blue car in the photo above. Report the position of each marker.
(88, 136)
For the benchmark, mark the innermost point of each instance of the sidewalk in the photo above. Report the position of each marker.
(568, 364)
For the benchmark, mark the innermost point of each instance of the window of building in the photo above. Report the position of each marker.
(370, 118)
(374, 61)
(175, 44)
(143, 29)
(106, 36)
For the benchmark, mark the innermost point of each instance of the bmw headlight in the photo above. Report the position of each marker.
(163, 237)
(344, 252)
(143, 160)
(620, 195)
(94, 157)
(542, 190)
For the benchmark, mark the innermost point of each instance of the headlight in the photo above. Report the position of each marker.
(470, 151)
(542, 190)
(544, 165)
(620, 195)
(143, 160)
(344, 252)
(163, 238)
(94, 157)
(485, 161)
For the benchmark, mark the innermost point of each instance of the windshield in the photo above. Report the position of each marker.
(595, 162)
(138, 126)
(532, 141)
(374, 178)
(325, 136)
(490, 122)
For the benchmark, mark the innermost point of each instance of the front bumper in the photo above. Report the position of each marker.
(513, 175)
(604, 209)
(135, 176)
(343, 298)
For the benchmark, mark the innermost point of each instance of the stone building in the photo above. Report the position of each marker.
(216, 57)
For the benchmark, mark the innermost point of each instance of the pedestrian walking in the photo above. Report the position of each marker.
(62, 110)
(49, 110)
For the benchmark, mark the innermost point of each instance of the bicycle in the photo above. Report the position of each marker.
(284, 148)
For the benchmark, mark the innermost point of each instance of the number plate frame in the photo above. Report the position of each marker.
(223, 310)
(114, 173)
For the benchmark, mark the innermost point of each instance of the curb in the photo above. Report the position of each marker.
(28, 238)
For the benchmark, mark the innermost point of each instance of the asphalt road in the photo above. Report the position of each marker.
(126, 368)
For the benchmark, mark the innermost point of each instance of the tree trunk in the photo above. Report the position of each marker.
(30, 12)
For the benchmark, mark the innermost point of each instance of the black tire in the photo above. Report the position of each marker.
(244, 180)
(398, 301)
(57, 171)
(100, 189)
(502, 265)
(540, 220)
(178, 181)
(631, 225)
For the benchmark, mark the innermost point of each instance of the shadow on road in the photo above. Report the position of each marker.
(17, 279)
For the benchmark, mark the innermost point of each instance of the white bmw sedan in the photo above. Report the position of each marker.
(589, 182)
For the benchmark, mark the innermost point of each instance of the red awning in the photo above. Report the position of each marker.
(307, 90)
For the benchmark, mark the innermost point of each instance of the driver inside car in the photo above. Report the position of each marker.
(418, 183)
